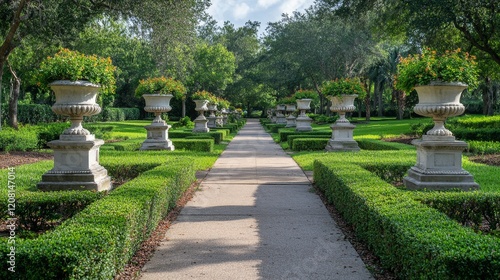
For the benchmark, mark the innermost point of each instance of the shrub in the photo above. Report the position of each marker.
(483, 147)
(184, 122)
(160, 85)
(410, 238)
(24, 139)
(50, 132)
(291, 138)
(309, 144)
(199, 145)
(370, 144)
(283, 135)
(97, 242)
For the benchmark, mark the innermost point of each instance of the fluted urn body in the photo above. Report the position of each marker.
(157, 104)
(75, 99)
(440, 101)
(343, 104)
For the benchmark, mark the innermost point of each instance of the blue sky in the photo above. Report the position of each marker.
(264, 11)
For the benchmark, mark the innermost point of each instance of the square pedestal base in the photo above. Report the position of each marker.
(157, 138)
(290, 121)
(303, 124)
(342, 138)
(200, 125)
(439, 165)
(280, 119)
(76, 166)
(212, 122)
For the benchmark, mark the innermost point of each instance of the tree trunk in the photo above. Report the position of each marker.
(488, 98)
(183, 107)
(400, 99)
(14, 97)
(367, 102)
(380, 100)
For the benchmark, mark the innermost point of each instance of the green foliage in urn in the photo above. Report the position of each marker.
(287, 100)
(204, 95)
(421, 69)
(343, 86)
(223, 103)
(161, 85)
(306, 94)
(72, 65)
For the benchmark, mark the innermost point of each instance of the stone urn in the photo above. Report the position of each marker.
(200, 123)
(303, 122)
(76, 100)
(290, 119)
(76, 153)
(342, 129)
(439, 155)
(212, 118)
(157, 132)
(280, 114)
(440, 101)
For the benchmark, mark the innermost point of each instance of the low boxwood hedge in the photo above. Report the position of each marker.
(97, 242)
(283, 134)
(374, 145)
(199, 145)
(412, 239)
(291, 138)
(309, 144)
(217, 135)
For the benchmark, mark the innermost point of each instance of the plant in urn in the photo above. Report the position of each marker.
(439, 81)
(76, 80)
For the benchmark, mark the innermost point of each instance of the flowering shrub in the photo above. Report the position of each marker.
(421, 69)
(306, 94)
(160, 85)
(204, 95)
(343, 86)
(72, 65)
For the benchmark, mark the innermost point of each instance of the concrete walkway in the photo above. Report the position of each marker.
(255, 217)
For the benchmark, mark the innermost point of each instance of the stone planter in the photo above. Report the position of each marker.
(76, 153)
(280, 114)
(303, 122)
(290, 119)
(212, 118)
(342, 129)
(439, 155)
(157, 132)
(200, 123)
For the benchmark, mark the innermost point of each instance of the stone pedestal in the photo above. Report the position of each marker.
(76, 165)
(303, 122)
(290, 121)
(342, 129)
(158, 137)
(219, 121)
(342, 138)
(439, 165)
(200, 124)
(212, 122)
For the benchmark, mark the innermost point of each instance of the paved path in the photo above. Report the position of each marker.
(255, 217)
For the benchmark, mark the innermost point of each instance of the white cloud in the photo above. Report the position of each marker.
(241, 10)
(289, 6)
(266, 3)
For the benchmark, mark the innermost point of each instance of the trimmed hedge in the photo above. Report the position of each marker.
(309, 144)
(115, 114)
(291, 138)
(378, 145)
(200, 145)
(31, 113)
(97, 242)
(273, 127)
(410, 238)
(24, 139)
(483, 147)
(283, 135)
(217, 135)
